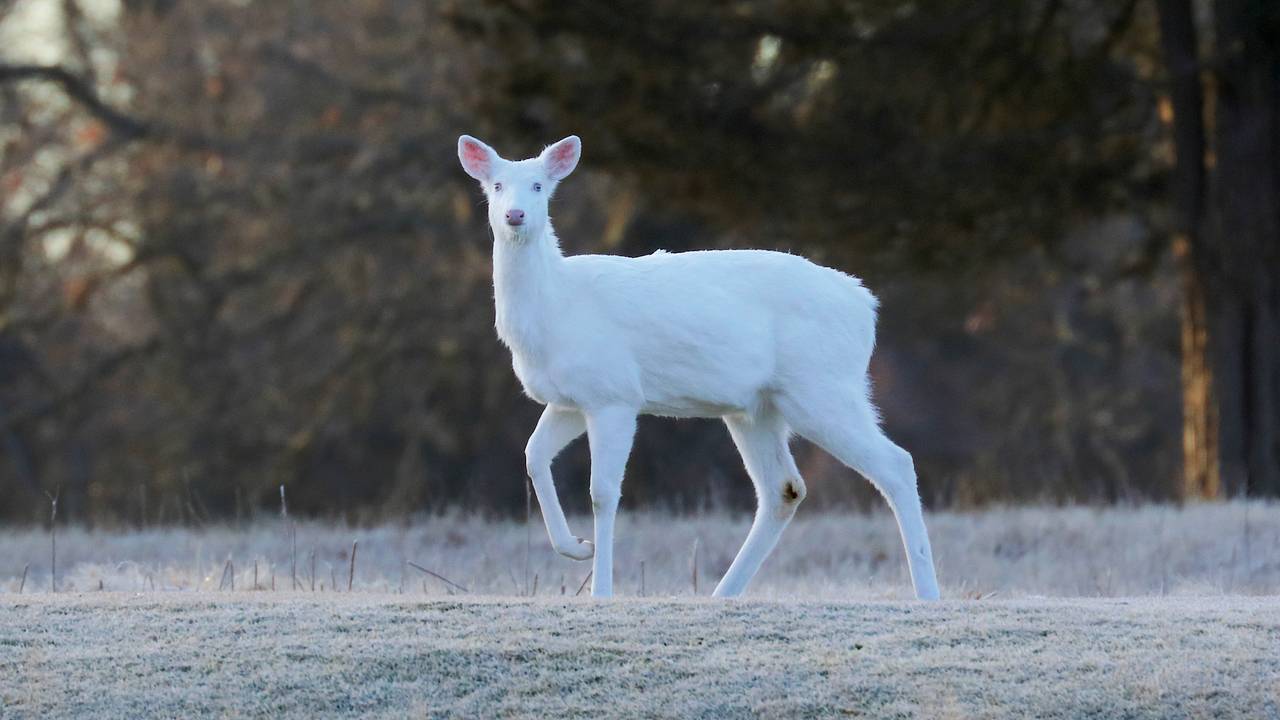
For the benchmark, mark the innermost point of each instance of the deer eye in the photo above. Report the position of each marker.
(497, 187)
(537, 187)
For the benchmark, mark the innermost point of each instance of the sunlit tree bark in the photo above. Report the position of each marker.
(1227, 236)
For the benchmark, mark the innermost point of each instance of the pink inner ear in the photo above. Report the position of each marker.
(561, 160)
(476, 158)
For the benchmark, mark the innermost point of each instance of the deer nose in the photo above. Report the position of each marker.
(515, 217)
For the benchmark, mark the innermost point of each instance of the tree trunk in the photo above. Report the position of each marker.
(1200, 456)
(1200, 460)
(1231, 296)
(1243, 299)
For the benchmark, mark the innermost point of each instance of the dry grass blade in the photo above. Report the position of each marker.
(351, 575)
(53, 539)
(585, 580)
(228, 579)
(436, 575)
(693, 563)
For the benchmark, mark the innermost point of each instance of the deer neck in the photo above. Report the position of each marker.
(526, 276)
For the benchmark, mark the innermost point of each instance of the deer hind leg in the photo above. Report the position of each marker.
(845, 425)
(762, 441)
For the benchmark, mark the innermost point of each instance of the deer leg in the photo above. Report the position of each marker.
(762, 441)
(610, 432)
(556, 428)
(844, 424)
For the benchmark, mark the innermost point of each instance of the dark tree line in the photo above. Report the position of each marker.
(237, 252)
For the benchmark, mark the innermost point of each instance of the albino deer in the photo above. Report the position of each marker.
(770, 342)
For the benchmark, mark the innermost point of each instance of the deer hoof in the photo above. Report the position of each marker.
(583, 550)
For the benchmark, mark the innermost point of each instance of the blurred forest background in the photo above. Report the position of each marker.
(237, 251)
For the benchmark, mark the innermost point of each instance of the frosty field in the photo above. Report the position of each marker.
(1140, 612)
(379, 655)
(1219, 548)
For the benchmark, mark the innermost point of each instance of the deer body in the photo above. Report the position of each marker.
(770, 342)
(700, 334)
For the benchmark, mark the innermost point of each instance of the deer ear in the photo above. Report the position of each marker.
(477, 158)
(561, 158)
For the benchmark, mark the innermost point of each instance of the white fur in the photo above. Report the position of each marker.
(770, 342)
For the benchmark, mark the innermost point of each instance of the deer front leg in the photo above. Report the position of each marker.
(610, 432)
(556, 428)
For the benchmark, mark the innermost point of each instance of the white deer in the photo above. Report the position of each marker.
(770, 342)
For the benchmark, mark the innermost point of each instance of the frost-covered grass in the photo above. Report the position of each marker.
(1201, 549)
(1051, 612)
(208, 654)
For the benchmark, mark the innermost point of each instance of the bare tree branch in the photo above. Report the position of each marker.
(79, 90)
(124, 126)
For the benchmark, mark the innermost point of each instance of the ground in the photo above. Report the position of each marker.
(1120, 612)
(386, 655)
